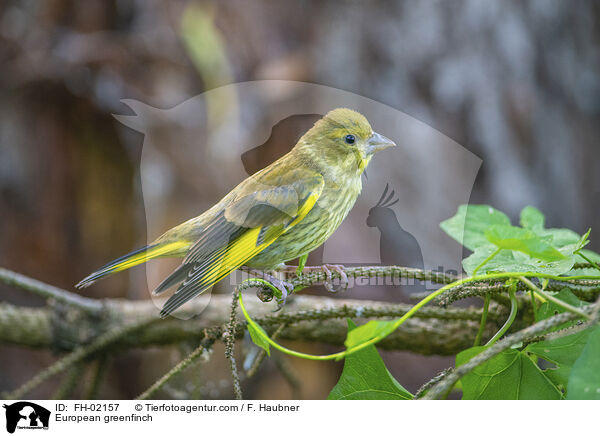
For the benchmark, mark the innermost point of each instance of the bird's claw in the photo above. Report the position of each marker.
(284, 288)
(281, 289)
(328, 283)
(326, 268)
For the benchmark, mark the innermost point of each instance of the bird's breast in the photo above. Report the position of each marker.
(333, 205)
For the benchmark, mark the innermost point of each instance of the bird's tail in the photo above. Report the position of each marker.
(134, 258)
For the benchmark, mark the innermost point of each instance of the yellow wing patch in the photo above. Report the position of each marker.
(232, 256)
(246, 246)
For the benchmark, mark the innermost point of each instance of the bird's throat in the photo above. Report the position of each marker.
(362, 161)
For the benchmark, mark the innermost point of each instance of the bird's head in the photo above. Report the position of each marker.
(344, 138)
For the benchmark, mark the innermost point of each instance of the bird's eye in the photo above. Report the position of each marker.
(349, 139)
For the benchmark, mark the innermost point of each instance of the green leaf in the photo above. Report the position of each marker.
(532, 218)
(511, 375)
(365, 377)
(531, 248)
(584, 381)
(560, 237)
(592, 272)
(563, 352)
(549, 309)
(503, 260)
(257, 334)
(524, 240)
(368, 331)
(514, 261)
(470, 223)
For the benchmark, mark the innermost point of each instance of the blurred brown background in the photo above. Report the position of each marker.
(517, 83)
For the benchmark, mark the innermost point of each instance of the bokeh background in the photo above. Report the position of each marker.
(515, 82)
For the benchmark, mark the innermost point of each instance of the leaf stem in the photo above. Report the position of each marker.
(172, 372)
(486, 305)
(486, 260)
(301, 264)
(533, 305)
(511, 317)
(588, 260)
(555, 300)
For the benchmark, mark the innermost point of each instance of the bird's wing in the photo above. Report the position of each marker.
(259, 210)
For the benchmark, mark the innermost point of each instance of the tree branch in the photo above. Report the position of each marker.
(433, 330)
(12, 278)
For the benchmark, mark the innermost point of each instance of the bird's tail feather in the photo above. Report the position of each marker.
(177, 276)
(134, 258)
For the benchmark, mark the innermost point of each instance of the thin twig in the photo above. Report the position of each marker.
(421, 391)
(394, 272)
(583, 265)
(76, 356)
(97, 376)
(48, 291)
(567, 331)
(70, 382)
(172, 372)
(229, 339)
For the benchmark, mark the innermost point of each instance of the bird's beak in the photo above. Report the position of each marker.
(377, 143)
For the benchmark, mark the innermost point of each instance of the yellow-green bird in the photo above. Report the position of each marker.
(282, 212)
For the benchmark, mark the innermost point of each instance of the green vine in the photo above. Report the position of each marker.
(372, 341)
(504, 257)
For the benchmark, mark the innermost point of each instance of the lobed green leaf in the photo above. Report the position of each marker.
(510, 375)
(532, 218)
(524, 240)
(563, 352)
(469, 224)
(365, 377)
(584, 380)
(513, 261)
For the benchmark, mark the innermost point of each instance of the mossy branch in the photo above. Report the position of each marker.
(111, 325)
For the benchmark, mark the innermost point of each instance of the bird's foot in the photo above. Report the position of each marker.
(329, 280)
(283, 287)
(327, 268)
(286, 288)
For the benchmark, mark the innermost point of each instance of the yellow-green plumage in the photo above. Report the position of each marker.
(280, 213)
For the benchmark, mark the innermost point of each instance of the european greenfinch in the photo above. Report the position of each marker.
(282, 212)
